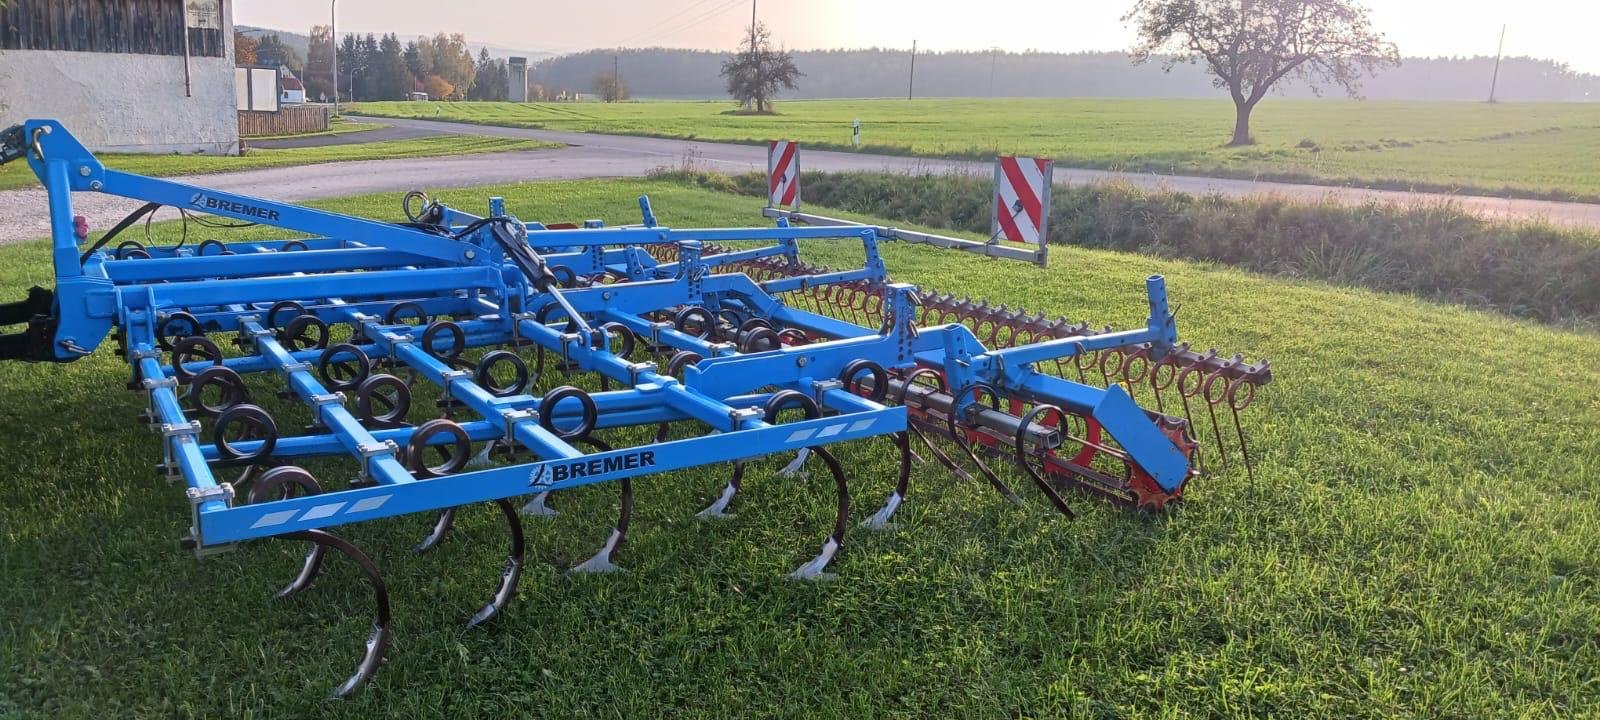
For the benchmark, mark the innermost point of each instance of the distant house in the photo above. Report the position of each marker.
(294, 92)
(152, 76)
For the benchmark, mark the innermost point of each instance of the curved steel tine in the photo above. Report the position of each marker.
(958, 434)
(718, 508)
(482, 459)
(814, 569)
(378, 638)
(513, 572)
(290, 478)
(796, 467)
(603, 561)
(1244, 446)
(950, 465)
(441, 527)
(880, 520)
(537, 507)
(308, 572)
(1039, 480)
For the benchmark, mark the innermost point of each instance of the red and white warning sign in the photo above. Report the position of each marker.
(1021, 199)
(783, 174)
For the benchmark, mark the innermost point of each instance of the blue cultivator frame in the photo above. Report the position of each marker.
(746, 365)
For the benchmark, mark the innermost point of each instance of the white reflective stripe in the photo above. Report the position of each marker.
(1030, 170)
(322, 511)
(366, 504)
(832, 430)
(799, 435)
(862, 425)
(275, 518)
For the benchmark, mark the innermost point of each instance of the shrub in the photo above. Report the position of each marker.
(1435, 251)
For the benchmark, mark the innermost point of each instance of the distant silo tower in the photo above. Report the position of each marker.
(519, 79)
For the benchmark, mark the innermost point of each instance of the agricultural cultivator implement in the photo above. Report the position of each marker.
(565, 356)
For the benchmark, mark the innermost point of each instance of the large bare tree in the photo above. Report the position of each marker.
(1251, 45)
(756, 72)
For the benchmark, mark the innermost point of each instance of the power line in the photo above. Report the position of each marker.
(701, 19)
(663, 21)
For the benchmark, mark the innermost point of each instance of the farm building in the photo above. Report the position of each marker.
(148, 76)
(294, 92)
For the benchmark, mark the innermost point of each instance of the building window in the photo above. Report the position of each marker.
(144, 27)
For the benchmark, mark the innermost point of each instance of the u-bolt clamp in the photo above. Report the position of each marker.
(447, 379)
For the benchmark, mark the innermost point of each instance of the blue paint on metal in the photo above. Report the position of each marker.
(352, 270)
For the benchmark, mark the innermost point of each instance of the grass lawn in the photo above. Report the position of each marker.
(17, 174)
(1537, 150)
(1419, 540)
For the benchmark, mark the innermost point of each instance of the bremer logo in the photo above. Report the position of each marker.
(551, 473)
(205, 202)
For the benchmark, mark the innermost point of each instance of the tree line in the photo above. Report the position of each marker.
(881, 72)
(373, 67)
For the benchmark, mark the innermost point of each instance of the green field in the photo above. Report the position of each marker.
(18, 175)
(1419, 541)
(1541, 150)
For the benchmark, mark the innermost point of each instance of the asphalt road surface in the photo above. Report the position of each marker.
(23, 212)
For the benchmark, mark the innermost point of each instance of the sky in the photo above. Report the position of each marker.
(1556, 29)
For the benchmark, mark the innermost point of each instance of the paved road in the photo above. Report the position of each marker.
(22, 212)
(350, 138)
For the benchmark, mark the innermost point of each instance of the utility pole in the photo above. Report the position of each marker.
(333, 32)
(1494, 84)
(755, 56)
(911, 85)
(994, 55)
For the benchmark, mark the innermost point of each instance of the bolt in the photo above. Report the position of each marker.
(606, 295)
(801, 361)
(84, 170)
(96, 185)
(471, 254)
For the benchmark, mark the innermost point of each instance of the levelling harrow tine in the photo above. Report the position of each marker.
(959, 430)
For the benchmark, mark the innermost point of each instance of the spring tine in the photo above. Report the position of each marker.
(814, 570)
(1038, 478)
(796, 467)
(1244, 447)
(949, 464)
(441, 527)
(880, 520)
(283, 481)
(718, 509)
(507, 589)
(1235, 406)
(537, 507)
(1156, 387)
(378, 638)
(603, 561)
(958, 433)
(1216, 428)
